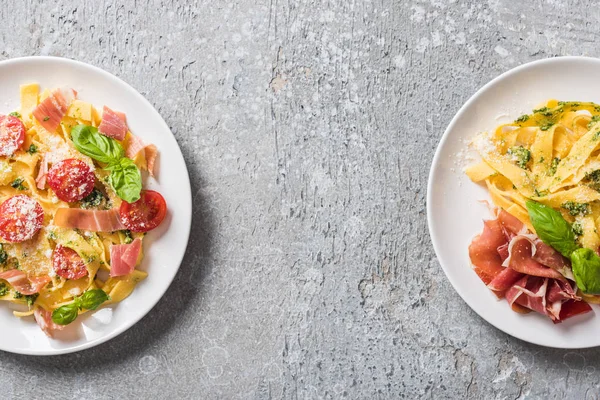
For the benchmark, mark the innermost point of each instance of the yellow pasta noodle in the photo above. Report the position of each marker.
(550, 156)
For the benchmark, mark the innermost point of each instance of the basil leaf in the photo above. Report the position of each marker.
(64, 315)
(126, 179)
(92, 299)
(95, 145)
(586, 269)
(552, 228)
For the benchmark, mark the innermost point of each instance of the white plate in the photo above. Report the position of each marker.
(164, 247)
(455, 214)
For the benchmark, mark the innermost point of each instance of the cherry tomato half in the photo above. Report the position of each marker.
(71, 179)
(145, 214)
(12, 134)
(21, 217)
(67, 263)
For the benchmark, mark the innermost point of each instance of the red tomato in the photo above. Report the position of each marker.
(21, 217)
(145, 214)
(71, 179)
(12, 134)
(67, 263)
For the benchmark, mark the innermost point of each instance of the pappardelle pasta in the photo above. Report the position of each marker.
(542, 171)
(73, 213)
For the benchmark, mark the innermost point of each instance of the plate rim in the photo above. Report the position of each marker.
(186, 227)
(431, 224)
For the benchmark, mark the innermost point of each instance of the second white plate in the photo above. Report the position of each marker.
(454, 210)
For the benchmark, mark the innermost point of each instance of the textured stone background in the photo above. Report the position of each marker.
(308, 128)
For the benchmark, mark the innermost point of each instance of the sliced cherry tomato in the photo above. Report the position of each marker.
(145, 214)
(12, 134)
(71, 179)
(67, 263)
(21, 217)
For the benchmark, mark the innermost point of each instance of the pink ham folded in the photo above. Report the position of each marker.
(44, 320)
(50, 112)
(113, 124)
(42, 173)
(483, 251)
(522, 260)
(504, 280)
(22, 284)
(123, 257)
(555, 299)
(546, 255)
(516, 265)
(89, 220)
(137, 146)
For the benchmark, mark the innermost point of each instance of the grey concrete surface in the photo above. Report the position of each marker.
(308, 128)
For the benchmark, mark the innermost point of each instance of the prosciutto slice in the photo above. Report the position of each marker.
(483, 251)
(532, 276)
(505, 280)
(42, 173)
(113, 124)
(89, 220)
(521, 259)
(50, 112)
(22, 284)
(549, 257)
(555, 299)
(123, 257)
(44, 320)
(137, 146)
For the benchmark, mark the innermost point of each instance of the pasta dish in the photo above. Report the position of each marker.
(73, 211)
(541, 250)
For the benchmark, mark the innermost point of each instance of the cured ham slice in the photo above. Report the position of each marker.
(505, 280)
(549, 257)
(89, 220)
(511, 224)
(50, 112)
(521, 260)
(530, 292)
(22, 284)
(123, 257)
(42, 173)
(44, 320)
(532, 276)
(137, 148)
(484, 251)
(113, 124)
(556, 299)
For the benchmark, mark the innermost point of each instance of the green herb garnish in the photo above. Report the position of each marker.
(18, 184)
(125, 177)
(93, 199)
(30, 299)
(3, 255)
(128, 236)
(595, 119)
(552, 228)
(4, 289)
(90, 300)
(576, 208)
(553, 166)
(32, 149)
(586, 269)
(577, 228)
(522, 118)
(520, 155)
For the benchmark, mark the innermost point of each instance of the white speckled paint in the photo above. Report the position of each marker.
(381, 321)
